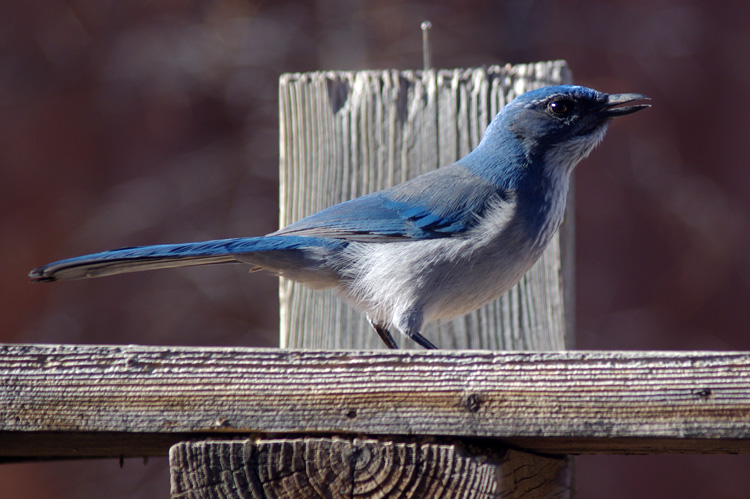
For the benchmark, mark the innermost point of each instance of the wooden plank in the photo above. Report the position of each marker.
(345, 134)
(332, 467)
(556, 402)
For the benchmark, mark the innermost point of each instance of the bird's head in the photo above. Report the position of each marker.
(559, 126)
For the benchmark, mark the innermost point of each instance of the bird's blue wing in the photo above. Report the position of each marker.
(442, 203)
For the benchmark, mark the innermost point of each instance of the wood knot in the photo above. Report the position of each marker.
(703, 392)
(472, 402)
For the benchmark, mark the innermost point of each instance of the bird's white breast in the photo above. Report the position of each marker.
(444, 277)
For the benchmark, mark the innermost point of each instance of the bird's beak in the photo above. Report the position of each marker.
(613, 100)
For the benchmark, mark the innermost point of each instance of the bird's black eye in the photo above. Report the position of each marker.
(561, 107)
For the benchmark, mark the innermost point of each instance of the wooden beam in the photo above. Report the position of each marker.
(67, 400)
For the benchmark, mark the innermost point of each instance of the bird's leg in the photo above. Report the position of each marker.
(384, 334)
(409, 324)
(420, 339)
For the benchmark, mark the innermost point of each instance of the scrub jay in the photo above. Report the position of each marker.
(435, 247)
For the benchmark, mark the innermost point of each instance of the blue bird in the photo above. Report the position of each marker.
(435, 247)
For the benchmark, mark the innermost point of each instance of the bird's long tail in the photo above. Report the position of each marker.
(277, 251)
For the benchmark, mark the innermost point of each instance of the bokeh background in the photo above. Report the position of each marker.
(125, 123)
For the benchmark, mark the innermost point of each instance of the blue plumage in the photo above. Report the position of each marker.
(437, 246)
(415, 209)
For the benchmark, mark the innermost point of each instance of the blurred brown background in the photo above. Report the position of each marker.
(126, 123)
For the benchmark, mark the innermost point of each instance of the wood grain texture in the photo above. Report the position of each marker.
(330, 467)
(559, 402)
(345, 134)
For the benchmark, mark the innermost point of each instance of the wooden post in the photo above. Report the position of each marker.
(330, 467)
(344, 468)
(345, 134)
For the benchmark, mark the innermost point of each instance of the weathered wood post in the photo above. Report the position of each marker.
(344, 134)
